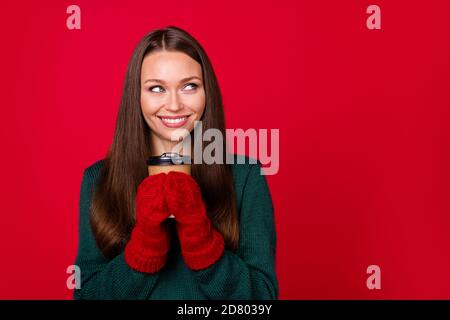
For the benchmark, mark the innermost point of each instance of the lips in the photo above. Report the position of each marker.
(174, 121)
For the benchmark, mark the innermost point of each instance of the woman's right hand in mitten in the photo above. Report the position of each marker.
(150, 238)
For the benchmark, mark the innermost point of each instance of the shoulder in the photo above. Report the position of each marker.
(92, 171)
(91, 176)
(248, 178)
(243, 166)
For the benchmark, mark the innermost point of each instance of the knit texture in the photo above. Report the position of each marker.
(247, 273)
(150, 239)
(201, 243)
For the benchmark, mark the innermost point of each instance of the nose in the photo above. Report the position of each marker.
(174, 104)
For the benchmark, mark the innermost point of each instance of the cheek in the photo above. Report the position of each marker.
(149, 108)
(198, 102)
(149, 105)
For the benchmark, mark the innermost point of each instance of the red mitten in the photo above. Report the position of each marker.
(201, 244)
(150, 238)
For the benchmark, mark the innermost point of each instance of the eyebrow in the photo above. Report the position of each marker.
(182, 80)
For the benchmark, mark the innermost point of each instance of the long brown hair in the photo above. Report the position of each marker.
(113, 206)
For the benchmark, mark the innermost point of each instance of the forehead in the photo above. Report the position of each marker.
(168, 65)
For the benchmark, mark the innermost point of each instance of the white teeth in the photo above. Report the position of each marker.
(178, 120)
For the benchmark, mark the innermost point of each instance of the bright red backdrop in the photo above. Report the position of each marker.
(363, 118)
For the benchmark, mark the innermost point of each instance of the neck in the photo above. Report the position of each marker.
(158, 146)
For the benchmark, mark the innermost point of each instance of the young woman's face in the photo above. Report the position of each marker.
(172, 94)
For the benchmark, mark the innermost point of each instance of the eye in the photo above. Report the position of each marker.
(193, 85)
(158, 91)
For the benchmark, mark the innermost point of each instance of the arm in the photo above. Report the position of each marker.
(102, 278)
(250, 272)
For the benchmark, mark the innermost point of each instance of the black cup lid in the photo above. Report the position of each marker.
(167, 159)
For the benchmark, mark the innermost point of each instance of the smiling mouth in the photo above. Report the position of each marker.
(174, 121)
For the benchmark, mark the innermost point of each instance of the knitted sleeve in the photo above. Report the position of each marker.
(249, 273)
(101, 278)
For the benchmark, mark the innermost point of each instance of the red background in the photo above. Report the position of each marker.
(363, 118)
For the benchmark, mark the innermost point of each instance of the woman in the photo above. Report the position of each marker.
(221, 242)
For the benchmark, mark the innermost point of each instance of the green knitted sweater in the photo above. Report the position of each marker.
(248, 273)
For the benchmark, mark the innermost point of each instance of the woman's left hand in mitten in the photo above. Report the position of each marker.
(201, 244)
